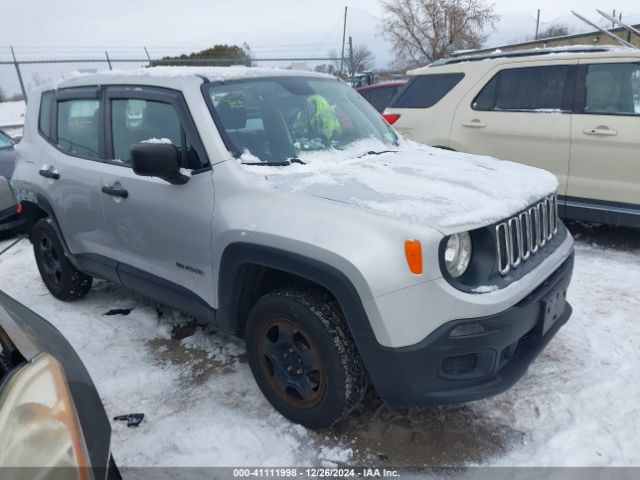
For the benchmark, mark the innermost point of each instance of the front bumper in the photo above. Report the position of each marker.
(443, 369)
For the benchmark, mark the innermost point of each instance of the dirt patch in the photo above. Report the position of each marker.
(199, 363)
(422, 437)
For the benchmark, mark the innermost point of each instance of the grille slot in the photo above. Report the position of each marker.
(523, 235)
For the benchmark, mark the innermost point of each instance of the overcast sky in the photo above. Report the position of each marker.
(270, 27)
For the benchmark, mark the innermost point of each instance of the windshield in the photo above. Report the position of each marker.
(278, 119)
(5, 141)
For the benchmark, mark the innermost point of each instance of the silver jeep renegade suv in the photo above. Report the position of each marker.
(281, 207)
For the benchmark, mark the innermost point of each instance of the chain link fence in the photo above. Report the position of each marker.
(18, 76)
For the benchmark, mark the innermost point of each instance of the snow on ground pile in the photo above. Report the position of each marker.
(428, 186)
(578, 405)
(580, 400)
(12, 114)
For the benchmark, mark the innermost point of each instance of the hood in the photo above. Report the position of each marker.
(445, 190)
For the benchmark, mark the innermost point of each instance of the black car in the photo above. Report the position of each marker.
(52, 421)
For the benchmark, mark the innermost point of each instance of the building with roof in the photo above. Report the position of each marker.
(595, 38)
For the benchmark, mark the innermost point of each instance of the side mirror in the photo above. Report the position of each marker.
(157, 160)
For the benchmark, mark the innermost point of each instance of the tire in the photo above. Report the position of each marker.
(63, 280)
(303, 357)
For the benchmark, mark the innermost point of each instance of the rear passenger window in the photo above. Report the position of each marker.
(525, 89)
(139, 121)
(424, 91)
(613, 88)
(79, 127)
(44, 120)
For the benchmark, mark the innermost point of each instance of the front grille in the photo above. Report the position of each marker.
(525, 234)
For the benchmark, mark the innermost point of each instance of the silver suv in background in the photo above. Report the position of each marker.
(281, 207)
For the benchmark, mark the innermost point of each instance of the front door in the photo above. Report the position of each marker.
(161, 233)
(605, 153)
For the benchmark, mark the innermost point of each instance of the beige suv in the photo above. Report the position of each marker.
(574, 112)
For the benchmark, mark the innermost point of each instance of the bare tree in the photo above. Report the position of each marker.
(362, 60)
(426, 30)
(554, 30)
(325, 68)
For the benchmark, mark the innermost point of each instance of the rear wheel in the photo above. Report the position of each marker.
(303, 358)
(62, 279)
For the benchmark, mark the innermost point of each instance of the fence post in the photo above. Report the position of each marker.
(17, 65)
(106, 54)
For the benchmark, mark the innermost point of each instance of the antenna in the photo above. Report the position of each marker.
(622, 42)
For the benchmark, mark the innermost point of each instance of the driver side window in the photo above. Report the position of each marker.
(144, 121)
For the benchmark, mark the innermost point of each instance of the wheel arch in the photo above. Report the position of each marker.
(32, 211)
(244, 267)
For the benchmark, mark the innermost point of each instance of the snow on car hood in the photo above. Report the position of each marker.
(445, 190)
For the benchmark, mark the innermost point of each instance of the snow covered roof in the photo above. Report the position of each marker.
(500, 55)
(214, 74)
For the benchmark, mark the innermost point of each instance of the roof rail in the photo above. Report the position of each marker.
(521, 53)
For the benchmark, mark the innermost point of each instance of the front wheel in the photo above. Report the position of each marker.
(303, 357)
(63, 280)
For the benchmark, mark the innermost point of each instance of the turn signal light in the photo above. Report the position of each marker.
(391, 118)
(413, 253)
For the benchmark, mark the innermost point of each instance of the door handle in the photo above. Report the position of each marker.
(45, 172)
(475, 123)
(115, 192)
(601, 131)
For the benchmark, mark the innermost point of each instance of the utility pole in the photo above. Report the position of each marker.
(537, 24)
(352, 67)
(613, 24)
(344, 37)
(17, 67)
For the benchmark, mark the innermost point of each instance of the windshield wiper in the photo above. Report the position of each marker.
(381, 152)
(283, 163)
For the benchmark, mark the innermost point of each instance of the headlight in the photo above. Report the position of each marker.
(457, 254)
(38, 422)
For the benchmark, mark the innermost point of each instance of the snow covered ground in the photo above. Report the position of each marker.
(578, 405)
(12, 113)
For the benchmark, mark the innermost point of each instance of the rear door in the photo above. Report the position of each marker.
(69, 170)
(605, 152)
(159, 233)
(522, 113)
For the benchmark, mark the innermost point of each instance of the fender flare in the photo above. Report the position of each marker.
(43, 204)
(326, 276)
